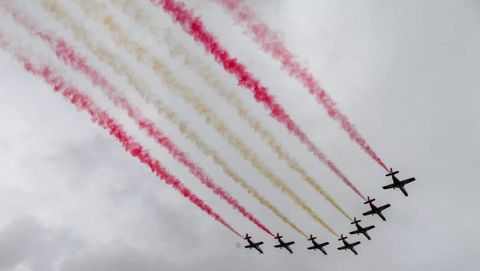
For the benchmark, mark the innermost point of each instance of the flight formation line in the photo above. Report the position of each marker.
(193, 25)
(98, 12)
(68, 55)
(214, 83)
(272, 44)
(101, 118)
(123, 70)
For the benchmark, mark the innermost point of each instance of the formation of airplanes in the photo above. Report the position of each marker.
(359, 229)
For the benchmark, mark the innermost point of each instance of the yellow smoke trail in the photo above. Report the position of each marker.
(208, 76)
(122, 70)
(141, 53)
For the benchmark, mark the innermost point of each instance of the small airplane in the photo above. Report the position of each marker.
(374, 209)
(317, 245)
(252, 244)
(347, 245)
(281, 244)
(397, 183)
(361, 229)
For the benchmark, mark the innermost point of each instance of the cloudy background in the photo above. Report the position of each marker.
(407, 74)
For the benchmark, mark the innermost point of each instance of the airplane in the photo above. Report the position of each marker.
(347, 245)
(397, 183)
(252, 244)
(317, 245)
(283, 244)
(361, 229)
(374, 209)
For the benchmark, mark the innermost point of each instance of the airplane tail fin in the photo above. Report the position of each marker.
(369, 200)
(391, 172)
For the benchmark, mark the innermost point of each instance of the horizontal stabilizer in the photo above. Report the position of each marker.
(392, 173)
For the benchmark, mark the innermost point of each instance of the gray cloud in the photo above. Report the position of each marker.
(26, 242)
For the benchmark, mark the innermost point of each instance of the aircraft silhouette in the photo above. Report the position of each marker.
(374, 209)
(397, 183)
(361, 229)
(283, 244)
(317, 245)
(252, 244)
(347, 245)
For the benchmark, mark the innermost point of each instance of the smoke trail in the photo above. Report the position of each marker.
(84, 102)
(273, 45)
(67, 54)
(194, 26)
(142, 55)
(214, 83)
(123, 70)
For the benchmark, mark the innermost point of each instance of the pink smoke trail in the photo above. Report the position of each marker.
(68, 54)
(85, 103)
(273, 45)
(194, 27)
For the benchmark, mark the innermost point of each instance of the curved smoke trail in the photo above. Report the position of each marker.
(194, 27)
(68, 55)
(213, 81)
(272, 44)
(100, 117)
(142, 55)
(123, 70)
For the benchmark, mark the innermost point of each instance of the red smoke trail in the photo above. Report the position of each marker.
(102, 118)
(272, 44)
(194, 26)
(67, 54)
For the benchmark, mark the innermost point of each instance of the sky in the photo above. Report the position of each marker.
(406, 73)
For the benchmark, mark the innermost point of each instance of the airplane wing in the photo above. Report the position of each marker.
(404, 182)
(249, 246)
(355, 232)
(312, 247)
(369, 228)
(381, 208)
(390, 186)
(287, 246)
(279, 245)
(355, 244)
(259, 249)
(342, 247)
(404, 191)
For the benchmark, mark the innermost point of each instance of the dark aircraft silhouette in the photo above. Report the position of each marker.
(281, 243)
(317, 245)
(397, 183)
(374, 209)
(361, 229)
(252, 244)
(347, 245)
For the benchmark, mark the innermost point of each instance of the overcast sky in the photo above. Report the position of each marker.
(406, 73)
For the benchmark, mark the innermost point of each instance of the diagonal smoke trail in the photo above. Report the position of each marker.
(68, 55)
(84, 102)
(213, 81)
(194, 27)
(123, 70)
(142, 55)
(273, 45)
